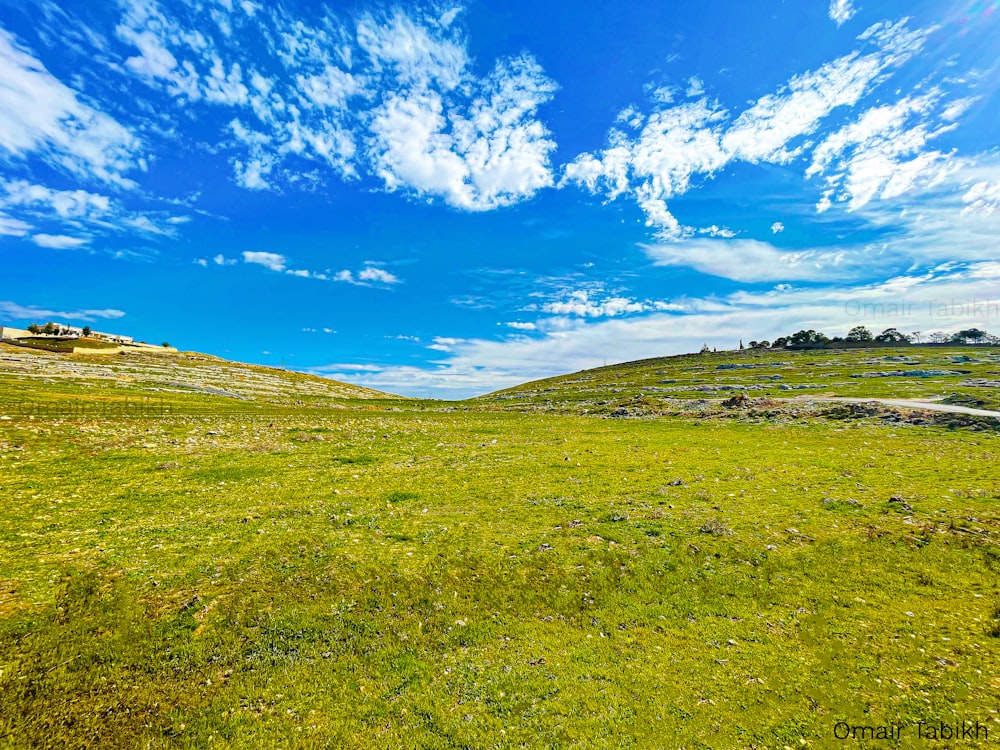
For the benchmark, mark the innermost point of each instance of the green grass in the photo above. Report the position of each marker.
(64, 345)
(971, 375)
(389, 574)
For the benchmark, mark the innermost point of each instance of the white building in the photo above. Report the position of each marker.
(6, 332)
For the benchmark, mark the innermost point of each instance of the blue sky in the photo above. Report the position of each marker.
(444, 199)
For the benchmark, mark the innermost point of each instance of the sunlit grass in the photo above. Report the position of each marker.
(370, 578)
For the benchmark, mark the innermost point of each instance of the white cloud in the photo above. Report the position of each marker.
(79, 209)
(39, 115)
(414, 53)
(367, 276)
(377, 275)
(717, 231)
(755, 261)
(580, 304)
(444, 343)
(982, 198)
(222, 260)
(13, 227)
(675, 144)
(201, 262)
(696, 87)
(842, 11)
(489, 153)
(14, 311)
(938, 300)
(66, 204)
(882, 153)
(58, 241)
(589, 300)
(777, 228)
(272, 261)
(519, 326)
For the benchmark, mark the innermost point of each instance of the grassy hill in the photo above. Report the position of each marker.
(269, 571)
(962, 374)
(181, 382)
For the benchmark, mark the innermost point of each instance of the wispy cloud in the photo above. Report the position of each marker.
(369, 275)
(590, 303)
(15, 311)
(983, 198)
(58, 241)
(13, 227)
(946, 298)
(842, 11)
(81, 210)
(677, 143)
(883, 153)
(41, 116)
(390, 95)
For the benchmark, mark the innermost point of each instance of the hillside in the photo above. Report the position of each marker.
(961, 375)
(280, 556)
(183, 381)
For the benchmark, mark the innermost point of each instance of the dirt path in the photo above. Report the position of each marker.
(907, 404)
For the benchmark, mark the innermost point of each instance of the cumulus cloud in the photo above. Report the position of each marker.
(58, 241)
(272, 261)
(519, 326)
(41, 116)
(777, 227)
(490, 152)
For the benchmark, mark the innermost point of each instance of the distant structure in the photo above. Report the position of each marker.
(64, 331)
(6, 332)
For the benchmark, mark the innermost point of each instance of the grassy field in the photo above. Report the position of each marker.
(969, 374)
(319, 571)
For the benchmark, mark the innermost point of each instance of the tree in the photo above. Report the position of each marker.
(705, 349)
(807, 340)
(892, 336)
(165, 344)
(937, 337)
(86, 330)
(760, 344)
(34, 328)
(49, 328)
(741, 344)
(916, 336)
(969, 336)
(780, 343)
(859, 333)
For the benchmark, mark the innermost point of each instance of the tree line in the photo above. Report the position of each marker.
(862, 336)
(54, 329)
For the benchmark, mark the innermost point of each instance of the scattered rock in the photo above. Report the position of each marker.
(901, 502)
